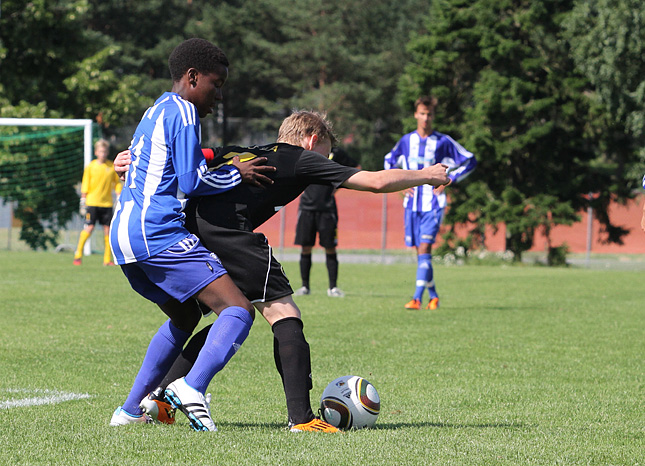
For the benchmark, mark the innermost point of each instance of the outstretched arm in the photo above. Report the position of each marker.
(389, 181)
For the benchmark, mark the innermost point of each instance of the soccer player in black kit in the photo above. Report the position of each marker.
(225, 224)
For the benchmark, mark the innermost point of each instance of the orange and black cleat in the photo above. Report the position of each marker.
(433, 304)
(158, 410)
(315, 425)
(414, 304)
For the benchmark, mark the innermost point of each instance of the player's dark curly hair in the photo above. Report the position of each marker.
(195, 53)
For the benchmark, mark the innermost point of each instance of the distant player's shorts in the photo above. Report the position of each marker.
(248, 259)
(103, 215)
(422, 227)
(312, 222)
(179, 272)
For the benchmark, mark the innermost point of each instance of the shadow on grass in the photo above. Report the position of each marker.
(383, 426)
(492, 425)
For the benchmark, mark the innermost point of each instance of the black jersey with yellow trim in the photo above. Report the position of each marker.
(246, 206)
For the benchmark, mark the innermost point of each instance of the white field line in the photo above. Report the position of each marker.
(44, 397)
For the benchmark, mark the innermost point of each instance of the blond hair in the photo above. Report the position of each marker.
(101, 143)
(302, 123)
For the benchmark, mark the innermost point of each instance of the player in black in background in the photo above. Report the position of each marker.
(318, 214)
(225, 225)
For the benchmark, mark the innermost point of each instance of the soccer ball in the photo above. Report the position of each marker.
(350, 402)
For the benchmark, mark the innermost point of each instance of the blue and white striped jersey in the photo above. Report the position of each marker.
(413, 152)
(167, 165)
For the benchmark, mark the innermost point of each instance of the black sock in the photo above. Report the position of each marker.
(293, 361)
(332, 269)
(305, 269)
(186, 359)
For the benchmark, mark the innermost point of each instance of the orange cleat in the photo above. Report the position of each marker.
(433, 304)
(315, 425)
(108, 264)
(414, 304)
(159, 411)
(77, 262)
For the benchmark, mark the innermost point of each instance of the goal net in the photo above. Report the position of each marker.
(41, 166)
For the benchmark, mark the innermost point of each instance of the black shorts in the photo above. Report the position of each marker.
(103, 215)
(248, 259)
(311, 222)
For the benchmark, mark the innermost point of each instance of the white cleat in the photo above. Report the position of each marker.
(122, 418)
(192, 403)
(335, 292)
(302, 291)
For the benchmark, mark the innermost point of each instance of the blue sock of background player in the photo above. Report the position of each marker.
(424, 277)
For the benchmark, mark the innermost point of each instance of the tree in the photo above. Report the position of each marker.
(608, 44)
(52, 65)
(509, 90)
(321, 56)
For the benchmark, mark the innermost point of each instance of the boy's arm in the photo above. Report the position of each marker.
(389, 181)
(252, 171)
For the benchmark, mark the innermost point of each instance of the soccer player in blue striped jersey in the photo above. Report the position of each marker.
(161, 259)
(424, 205)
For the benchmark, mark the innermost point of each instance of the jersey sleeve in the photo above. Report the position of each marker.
(460, 162)
(318, 169)
(393, 158)
(192, 172)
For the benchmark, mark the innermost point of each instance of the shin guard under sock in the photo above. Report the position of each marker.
(162, 352)
(185, 361)
(293, 361)
(223, 340)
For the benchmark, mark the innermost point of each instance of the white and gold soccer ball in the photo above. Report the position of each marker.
(350, 402)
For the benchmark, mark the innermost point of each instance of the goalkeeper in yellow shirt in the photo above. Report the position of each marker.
(99, 181)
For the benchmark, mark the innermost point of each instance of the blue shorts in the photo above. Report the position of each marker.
(179, 272)
(422, 227)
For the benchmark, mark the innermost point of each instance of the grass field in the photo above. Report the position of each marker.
(521, 365)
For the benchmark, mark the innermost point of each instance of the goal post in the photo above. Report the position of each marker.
(40, 168)
(85, 123)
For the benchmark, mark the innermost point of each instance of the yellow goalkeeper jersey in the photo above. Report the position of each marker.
(99, 180)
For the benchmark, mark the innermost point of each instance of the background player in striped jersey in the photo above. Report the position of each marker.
(424, 205)
(225, 223)
(162, 260)
(99, 182)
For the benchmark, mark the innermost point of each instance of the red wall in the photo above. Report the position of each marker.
(360, 226)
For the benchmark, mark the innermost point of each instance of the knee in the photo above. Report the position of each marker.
(188, 319)
(251, 310)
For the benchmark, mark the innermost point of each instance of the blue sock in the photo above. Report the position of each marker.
(430, 279)
(224, 338)
(164, 348)
(424, 275)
